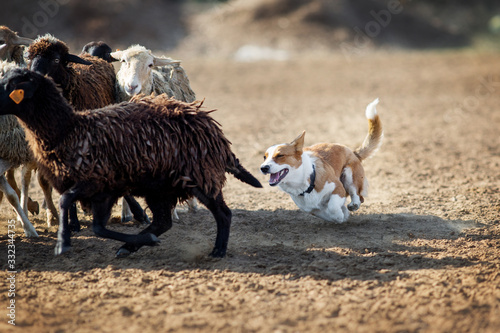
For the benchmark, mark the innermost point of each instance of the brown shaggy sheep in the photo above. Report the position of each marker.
(95, 156)
(87, 82)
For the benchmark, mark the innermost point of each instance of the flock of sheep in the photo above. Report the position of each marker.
(95, 136)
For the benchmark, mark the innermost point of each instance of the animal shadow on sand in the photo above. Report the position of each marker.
(281, 242)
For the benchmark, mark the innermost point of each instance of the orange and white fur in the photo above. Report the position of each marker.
(320, 177)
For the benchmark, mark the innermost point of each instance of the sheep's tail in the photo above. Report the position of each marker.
(373, 139)
(242, 174)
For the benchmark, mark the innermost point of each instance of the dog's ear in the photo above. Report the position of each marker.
(298, 143)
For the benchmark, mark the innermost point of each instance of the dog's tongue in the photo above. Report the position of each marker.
(275, 178)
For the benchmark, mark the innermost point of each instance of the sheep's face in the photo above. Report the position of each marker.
(18, 86)
(49, 56)
(46, 65)
(135, 75)
(135, 72)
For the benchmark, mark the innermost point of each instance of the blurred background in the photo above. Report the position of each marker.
(261, 28)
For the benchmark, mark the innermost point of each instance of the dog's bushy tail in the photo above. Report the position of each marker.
(373, 139)
(238, 171)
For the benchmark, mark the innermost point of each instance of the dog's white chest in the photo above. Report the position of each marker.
(315, 200)
(324, 204)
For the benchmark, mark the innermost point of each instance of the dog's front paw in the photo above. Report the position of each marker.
(353, 206)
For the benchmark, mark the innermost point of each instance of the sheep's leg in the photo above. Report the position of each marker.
(12, 181)
(162, 221)
(126, 211)
(25, 182)
(33, 207)
(175, 216)
(74, 223)
(136, 209)
(101, 209)
(11, 195)
(51, 210)
(192, 204)
(222, 215)
(64, 233)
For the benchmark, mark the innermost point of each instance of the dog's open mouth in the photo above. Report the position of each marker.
(277, 177)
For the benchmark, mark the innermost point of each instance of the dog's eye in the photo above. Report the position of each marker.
(279, 156)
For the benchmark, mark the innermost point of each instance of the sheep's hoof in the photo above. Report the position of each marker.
(33, 207)
(153, 241)
(144, 220)
(127, 218)
(129, 248)
(123, 252)
(75, 227)
(218, 253)
(60, 248)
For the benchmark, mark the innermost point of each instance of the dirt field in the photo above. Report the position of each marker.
(421, 255)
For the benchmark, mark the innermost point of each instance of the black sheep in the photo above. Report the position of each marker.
(178, 151)
(87, 82)
(100, 50)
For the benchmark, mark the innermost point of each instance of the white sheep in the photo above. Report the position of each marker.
(12, 47)
(143, 73)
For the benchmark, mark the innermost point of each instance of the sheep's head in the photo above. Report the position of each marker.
(48, 56)
(16, 87)
(10, 42)
(135, 74)
(99, 49)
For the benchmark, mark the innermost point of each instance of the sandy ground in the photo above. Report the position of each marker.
(421, 255)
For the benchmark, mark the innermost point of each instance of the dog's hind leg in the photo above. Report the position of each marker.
(351, 188)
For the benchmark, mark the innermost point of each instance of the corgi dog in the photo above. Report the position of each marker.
(320, 177)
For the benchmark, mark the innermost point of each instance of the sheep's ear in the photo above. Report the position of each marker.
(116, 56)
(2, 46)
(111, 58)
(164, 61)
(24, 90)
(76, 59)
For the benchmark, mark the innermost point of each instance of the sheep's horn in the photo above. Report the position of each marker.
(76, 59)
(2, 46)
(22, 41)
(165, 61)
